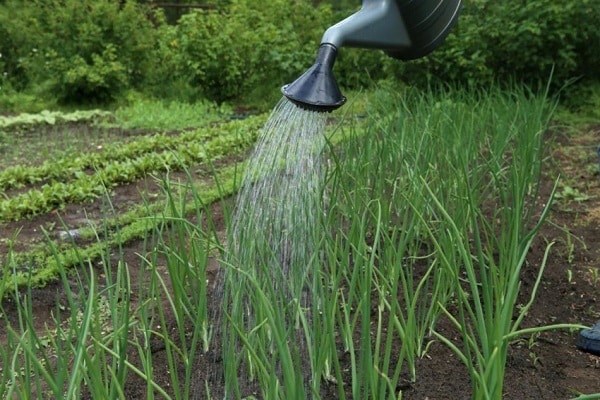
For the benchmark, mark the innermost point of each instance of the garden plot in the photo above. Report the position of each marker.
(135, 309)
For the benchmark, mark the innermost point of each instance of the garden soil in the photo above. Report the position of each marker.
(546, 366)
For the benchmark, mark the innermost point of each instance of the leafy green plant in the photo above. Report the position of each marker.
(45, 117)
(42, 263)
(569, 193)
(113, 172)
(64, 167)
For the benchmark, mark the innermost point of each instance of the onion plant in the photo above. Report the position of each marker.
(184, 248)
(438, 187)
(485, 225)
(85, 346)
(69, 356)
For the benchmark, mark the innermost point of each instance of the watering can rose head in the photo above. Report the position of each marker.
(404, 29)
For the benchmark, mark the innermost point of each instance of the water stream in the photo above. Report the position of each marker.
(275, 215)
(273, 233)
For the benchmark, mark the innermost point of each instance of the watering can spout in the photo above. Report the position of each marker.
(404, 29)
(317, 89)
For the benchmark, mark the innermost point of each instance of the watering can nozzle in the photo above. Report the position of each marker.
(316, 89)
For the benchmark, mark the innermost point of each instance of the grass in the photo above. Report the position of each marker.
(169, 116)
(582, 107)
(429, 189)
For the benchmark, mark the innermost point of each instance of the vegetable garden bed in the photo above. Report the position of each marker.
(113, 225)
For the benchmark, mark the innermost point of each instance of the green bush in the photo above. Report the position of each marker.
(97, 50)
(226, 53)
(523, 40)
(78, 50)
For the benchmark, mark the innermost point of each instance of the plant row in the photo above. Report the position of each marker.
(40, 265)
(185, 151)
(73, 167)
(26, 121)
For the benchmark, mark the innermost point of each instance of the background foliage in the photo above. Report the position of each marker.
(523, 40)
(97, 51)
(76, 51)
(226, 53)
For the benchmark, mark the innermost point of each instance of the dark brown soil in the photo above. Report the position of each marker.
(548, 366)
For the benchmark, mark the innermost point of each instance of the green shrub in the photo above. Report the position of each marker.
(98, 50)
(78, 50)
(98, 79)
(226, 53)
(515, 40)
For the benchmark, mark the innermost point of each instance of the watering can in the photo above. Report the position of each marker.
(404, 29)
